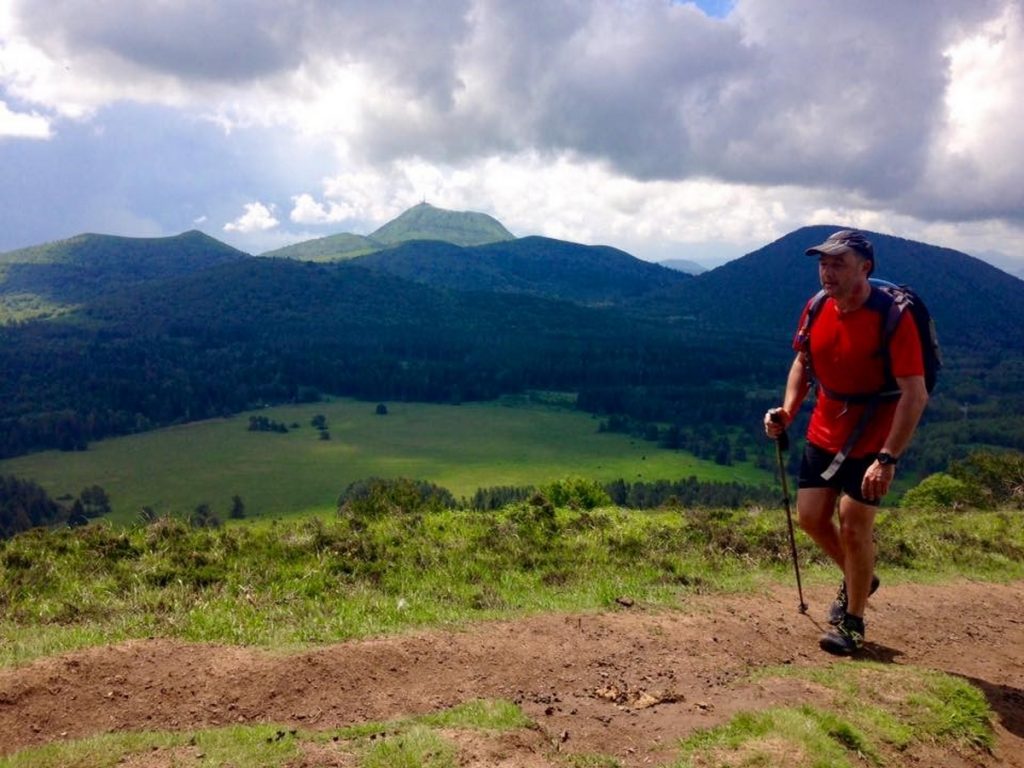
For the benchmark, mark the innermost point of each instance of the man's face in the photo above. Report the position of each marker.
(842, 273)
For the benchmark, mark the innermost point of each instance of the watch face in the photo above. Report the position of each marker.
(886, 458)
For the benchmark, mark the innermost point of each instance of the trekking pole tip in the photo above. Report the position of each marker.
(803, 607)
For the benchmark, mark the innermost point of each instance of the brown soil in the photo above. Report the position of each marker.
(627, 683)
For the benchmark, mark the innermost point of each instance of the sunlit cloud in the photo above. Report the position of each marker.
(22, 125)
(257, 218)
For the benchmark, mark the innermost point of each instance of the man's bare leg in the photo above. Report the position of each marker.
(816, 512)
(856, 534)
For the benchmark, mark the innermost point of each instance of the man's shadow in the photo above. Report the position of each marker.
(1006, 701)
(883, 654)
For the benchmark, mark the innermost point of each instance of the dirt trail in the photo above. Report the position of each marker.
(581, 677)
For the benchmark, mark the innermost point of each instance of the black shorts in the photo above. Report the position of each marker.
(848, 479)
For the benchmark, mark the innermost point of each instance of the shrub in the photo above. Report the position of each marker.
(498, 496)
(376, 497)
(941, 491)
(998, 478)
(576, 493)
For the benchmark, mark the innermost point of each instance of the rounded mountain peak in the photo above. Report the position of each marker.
(427, 222)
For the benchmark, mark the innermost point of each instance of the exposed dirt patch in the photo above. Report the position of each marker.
(627, 683)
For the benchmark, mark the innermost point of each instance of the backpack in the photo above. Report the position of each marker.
(891, 301)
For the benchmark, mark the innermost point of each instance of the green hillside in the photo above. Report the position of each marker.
(538, 266)
(53, 277)
(974, 304)
(425, 222)
(461, 448)
(331, 248)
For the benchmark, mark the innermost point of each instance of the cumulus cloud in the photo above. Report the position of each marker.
(306, 210)
(227, 40)
(257, 218)
(975, 169)
(22, 125)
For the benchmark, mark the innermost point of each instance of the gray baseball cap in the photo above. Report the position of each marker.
(843, 239)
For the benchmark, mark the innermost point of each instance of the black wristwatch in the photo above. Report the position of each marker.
(887, 459)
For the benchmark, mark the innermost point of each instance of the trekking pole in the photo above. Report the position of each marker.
(782, 444)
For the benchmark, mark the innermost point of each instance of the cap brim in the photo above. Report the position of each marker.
(829, 249)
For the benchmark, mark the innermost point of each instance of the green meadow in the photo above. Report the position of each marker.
(463, 447)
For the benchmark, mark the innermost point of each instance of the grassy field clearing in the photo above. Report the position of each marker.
(459, 447)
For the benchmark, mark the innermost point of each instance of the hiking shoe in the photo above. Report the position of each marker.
(837, 610)
(846, 639)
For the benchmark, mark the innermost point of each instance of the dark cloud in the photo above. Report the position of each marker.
(827, 94)
(192, 39)
(235, 40)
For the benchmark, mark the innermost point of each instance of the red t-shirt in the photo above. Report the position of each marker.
(847, 358)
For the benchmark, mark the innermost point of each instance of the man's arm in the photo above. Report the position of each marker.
(797, 386)
(913, 399)
(912, 402)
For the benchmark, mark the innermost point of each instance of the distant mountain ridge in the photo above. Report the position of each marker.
(684, 265)
(763, 293)
(537, 266)
(46, 278)
(759, 294)
(331, 248)
(422, 222)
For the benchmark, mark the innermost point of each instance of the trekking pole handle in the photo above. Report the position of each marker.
(783, 438)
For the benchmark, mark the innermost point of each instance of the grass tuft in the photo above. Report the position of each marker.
(867, 711)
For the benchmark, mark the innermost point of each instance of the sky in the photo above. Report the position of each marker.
(668, 129)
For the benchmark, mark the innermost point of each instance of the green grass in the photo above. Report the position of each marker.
(863, 712)
(313, 580)
(459, 447)
(409, 743)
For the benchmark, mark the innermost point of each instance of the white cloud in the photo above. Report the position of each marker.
(307, 210)
(976, 169)
(24, 126)
(586, 201)
(257, 218)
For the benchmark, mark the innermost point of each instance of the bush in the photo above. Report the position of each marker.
(941, 491)
(998, 478)
(576, 493)
(376, 497)
(24, 505)
(498, 496)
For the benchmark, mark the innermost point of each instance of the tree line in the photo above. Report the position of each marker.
(24, 504)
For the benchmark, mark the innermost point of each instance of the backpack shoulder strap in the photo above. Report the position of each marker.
(803, 335)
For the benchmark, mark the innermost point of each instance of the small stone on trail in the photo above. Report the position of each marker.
(625, 601)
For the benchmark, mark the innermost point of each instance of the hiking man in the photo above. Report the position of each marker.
(868, 405)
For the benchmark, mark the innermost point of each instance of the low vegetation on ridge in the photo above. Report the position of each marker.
(395, 557)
